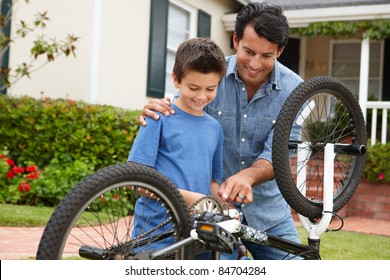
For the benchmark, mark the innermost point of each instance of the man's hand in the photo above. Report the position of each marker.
(156, 105)
(236, 188)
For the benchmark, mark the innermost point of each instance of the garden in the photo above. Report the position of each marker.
(49, 145)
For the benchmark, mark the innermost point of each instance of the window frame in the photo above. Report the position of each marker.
(200, 25)
(378, 78)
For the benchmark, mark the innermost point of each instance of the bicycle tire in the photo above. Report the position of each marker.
(327, 112)
(96, 218)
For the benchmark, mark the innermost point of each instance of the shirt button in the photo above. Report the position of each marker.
(242, 162)
(243, 89)
(245, 116)
(273, 121)
(219, 113)
(242, 139)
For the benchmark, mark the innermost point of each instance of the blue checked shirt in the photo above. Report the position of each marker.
(248, 131)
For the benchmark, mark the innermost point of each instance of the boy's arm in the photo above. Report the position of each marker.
(190, 197)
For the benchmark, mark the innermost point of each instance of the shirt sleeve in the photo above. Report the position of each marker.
(218, 160)
(267, 152)
(146, 144)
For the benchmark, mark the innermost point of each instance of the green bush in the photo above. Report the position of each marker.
(40, 130)
(377, 168)
(48, 146)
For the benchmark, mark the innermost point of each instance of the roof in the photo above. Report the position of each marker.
(315, 4)
(301, 13)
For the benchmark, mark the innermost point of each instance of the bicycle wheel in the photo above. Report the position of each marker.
(321, 110)
(123, 211)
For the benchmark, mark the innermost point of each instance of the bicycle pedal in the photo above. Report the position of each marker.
(216, 237)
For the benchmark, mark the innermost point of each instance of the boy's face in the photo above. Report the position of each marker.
(256, 57)
(196, 91)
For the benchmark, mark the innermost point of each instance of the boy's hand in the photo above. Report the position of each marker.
(156, 105)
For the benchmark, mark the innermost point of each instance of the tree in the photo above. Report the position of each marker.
(51, 48)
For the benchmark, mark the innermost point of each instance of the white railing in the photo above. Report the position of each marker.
(375, 106)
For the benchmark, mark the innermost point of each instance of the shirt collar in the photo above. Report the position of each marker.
(275, 75)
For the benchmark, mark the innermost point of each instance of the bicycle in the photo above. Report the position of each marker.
(319, 131)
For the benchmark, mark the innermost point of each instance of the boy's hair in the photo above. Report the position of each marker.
(268, 21)
(200, 55)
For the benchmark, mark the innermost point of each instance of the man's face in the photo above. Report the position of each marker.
(256, 57)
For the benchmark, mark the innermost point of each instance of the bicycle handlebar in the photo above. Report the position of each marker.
(349, 149)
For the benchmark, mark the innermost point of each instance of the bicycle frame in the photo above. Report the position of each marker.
(314, 230)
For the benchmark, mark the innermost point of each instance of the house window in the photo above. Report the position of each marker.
(171, 22)
(346, 66)
(6, 33)
(181, 26)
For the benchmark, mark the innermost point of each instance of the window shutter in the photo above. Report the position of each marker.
(157, 48)
(5, 7)
(204, 24)
(386, 72)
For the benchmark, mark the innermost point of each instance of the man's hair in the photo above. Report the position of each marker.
(200, 55)
(267, 20)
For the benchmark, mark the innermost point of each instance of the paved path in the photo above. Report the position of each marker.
(22, 243)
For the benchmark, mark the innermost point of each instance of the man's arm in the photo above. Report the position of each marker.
(156, 105)
(242, 182)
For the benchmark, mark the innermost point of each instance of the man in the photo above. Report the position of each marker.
(247, 105)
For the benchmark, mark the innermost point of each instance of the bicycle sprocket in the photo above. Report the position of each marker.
(205, 204)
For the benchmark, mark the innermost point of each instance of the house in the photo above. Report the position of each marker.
(126, 49)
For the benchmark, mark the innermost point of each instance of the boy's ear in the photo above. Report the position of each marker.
(175, 81)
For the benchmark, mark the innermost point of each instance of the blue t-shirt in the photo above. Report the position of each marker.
(185, 148)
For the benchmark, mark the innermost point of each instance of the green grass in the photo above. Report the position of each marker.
(24, 216)
(339, 245)
(344, 245)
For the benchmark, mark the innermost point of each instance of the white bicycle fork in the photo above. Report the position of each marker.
(315, 230)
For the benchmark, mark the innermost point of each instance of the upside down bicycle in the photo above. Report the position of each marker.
(318, 157)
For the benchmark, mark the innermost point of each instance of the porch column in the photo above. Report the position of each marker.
(95, 51)
(364, 75)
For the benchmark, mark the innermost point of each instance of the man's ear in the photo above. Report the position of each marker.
(279, 52)
(235, 40)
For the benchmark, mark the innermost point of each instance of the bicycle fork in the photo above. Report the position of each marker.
(313, 229)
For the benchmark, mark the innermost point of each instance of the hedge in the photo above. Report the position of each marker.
(37, 131)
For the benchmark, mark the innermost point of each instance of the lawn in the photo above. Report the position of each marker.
(345, 245)
(339, 245)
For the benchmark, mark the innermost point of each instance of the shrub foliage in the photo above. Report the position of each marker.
(65, 140)
(377, 168)
(40, 130)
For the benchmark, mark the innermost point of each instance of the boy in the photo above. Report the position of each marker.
(185, 147)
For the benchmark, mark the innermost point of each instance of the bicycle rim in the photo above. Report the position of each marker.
(321, 110)
(124, 211)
